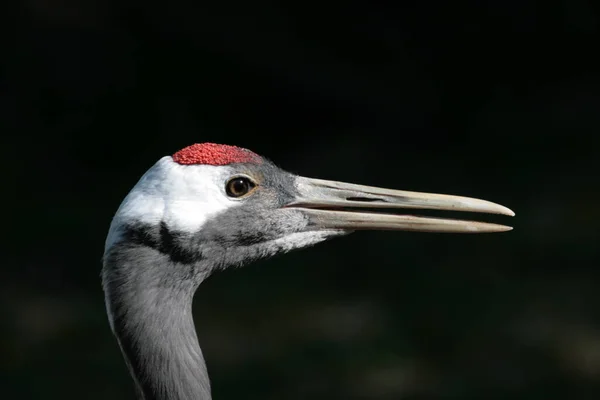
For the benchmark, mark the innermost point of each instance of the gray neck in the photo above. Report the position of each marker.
(151, 315)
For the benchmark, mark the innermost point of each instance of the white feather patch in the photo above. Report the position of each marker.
(183, 196)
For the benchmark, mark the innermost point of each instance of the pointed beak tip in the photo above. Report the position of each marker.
(509, 212)
(484, 227)
(483, 206)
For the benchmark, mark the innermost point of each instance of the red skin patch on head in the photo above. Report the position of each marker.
(215, 154)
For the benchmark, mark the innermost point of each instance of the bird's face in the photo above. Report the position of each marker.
(230, 206)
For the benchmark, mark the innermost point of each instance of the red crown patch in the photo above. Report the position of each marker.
(215, 154)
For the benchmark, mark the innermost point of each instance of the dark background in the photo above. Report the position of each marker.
(496, 100)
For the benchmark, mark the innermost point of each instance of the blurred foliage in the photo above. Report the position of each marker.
(497, 100)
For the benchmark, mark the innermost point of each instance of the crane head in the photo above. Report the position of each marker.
(212, 206)
(231, 206)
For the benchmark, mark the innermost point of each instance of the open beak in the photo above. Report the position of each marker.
(337, 205)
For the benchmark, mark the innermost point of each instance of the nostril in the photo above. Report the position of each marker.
(366, 199)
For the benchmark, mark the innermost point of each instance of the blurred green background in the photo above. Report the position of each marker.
(496, 100)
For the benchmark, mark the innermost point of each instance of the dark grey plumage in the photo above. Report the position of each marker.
(150, 299)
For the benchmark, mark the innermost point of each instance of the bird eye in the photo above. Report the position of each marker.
(239, 186)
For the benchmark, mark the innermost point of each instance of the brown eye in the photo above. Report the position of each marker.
(239, 186)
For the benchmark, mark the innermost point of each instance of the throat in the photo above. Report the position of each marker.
(152, 320)
(161, 349)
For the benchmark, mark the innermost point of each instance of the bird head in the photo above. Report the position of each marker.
(231, 206)
(212, 206)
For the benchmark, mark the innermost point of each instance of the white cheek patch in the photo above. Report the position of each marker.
(182, 196)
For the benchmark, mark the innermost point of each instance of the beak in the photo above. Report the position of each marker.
(337, 205)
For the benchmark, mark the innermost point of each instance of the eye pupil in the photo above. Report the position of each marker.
(238, 187)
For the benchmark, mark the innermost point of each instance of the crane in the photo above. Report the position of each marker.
(209, 207)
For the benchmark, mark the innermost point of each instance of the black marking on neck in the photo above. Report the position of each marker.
(163, 240)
